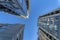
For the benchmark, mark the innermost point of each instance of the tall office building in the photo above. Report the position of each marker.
(12, 32)
(49, 26)
(16, 7)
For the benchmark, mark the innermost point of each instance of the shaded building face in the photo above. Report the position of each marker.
(49, 26)
(15, 7)
(12, 32)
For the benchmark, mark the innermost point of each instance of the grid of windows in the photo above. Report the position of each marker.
(50, 24)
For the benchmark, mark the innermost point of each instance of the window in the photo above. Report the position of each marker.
(21, 1)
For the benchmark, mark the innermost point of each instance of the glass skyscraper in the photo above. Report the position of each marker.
(16, 7)
(11, 31)
(49, 25)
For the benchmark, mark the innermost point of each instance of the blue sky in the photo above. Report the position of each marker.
(37, 8)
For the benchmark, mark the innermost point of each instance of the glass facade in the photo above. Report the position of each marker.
(50, 24)
(20, 7)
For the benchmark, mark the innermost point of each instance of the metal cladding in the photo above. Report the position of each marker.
(19, 8)
(49, 25)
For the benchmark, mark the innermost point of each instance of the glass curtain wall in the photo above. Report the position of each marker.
(50, 24)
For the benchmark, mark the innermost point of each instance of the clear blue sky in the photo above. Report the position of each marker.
(37, 8)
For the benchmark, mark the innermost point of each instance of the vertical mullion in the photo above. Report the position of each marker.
(59, 28)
